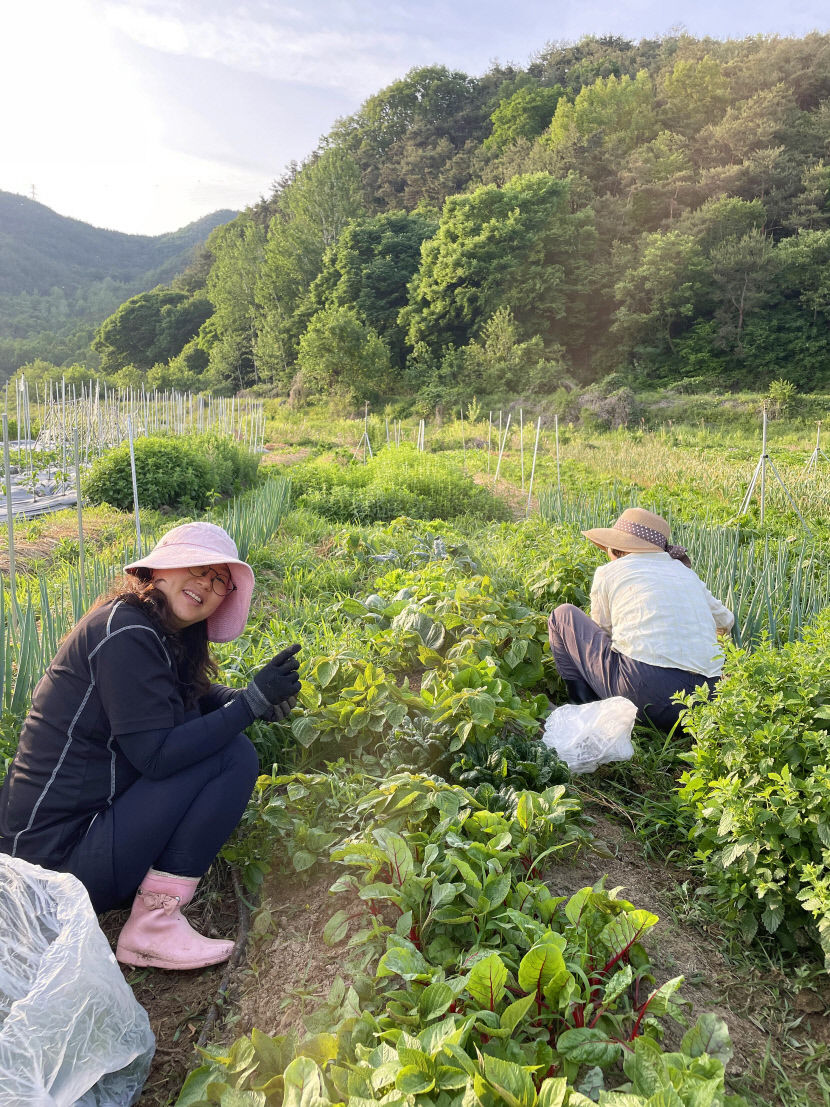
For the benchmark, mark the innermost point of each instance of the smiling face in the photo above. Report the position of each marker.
(190, 599)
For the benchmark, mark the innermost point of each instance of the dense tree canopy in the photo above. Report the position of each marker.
(656, 209)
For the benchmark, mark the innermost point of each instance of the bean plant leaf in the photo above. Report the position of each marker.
(301, 859)
(304, 730)
(303, 1084)
(487, 981)
(325, 672)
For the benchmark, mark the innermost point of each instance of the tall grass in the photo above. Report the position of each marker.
(254, 518)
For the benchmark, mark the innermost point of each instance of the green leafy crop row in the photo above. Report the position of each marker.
(759, 789)
(487, 988)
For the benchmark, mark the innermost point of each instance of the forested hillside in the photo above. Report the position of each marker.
(636, 213)
(57, 274)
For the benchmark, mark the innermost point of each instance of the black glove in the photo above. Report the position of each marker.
(274, 683)
(280, 711)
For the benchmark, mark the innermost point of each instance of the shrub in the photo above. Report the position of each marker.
(759, 788)
(180, 473)
(399, 481)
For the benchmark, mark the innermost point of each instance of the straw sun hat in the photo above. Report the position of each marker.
(194, 544)
(636, 531)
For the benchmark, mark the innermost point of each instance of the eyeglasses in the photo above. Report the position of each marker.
(221, 585)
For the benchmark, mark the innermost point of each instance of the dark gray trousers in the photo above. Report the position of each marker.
(593, 671)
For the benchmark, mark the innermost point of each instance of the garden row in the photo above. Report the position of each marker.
(439, 670)
(425, 666)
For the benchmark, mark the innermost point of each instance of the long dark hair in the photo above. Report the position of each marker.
(189, 648)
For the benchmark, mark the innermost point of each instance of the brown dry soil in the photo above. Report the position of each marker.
(289, 970)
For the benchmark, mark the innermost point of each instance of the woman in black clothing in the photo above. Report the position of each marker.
(132, 771)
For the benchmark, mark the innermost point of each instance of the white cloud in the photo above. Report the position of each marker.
(283, 44)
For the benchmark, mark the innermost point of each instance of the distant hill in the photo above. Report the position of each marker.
(57, 273)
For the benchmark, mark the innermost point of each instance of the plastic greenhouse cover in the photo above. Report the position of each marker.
(71, 1031)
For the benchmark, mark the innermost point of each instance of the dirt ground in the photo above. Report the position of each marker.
(178, 1002)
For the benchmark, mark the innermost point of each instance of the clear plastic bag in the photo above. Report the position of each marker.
(586, 735)
(72, 1033)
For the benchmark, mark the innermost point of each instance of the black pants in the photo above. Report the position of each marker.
(593, 671)
(177, 825)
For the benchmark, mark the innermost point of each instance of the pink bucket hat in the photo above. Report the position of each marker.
(193, 544)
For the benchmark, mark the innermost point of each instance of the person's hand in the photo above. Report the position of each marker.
(275, 683)
(280, 711)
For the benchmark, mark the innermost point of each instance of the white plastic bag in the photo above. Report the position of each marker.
(586, 735)
(72, 1033)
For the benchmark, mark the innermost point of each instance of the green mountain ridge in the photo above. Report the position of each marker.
(40, 249)
(60, 277)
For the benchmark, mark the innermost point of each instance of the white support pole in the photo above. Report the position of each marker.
(501, 449)
(135, 486)
(9, 518)
(558, 474)
(522, 443)
(533, 465)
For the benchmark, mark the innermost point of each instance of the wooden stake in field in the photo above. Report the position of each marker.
(533, 465)
(489, 436)
(463, 443)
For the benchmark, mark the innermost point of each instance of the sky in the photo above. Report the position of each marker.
(143, 115)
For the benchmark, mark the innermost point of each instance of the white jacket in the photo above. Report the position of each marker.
(658, 611)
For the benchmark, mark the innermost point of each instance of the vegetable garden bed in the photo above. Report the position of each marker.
(406, 781)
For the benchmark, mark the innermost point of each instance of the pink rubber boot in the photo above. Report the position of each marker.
(158, 935)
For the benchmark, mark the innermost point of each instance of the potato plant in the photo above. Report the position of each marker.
(759, 789)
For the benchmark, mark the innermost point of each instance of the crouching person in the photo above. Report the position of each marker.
(654, 626)
(132, 769)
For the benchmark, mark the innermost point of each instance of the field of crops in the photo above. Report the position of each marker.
(437, 912)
